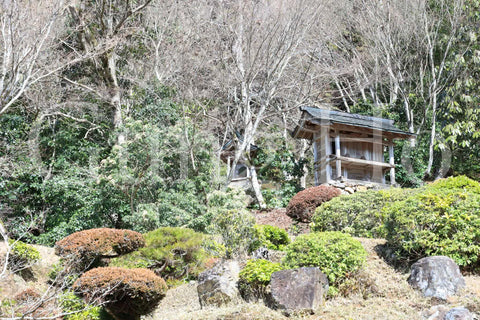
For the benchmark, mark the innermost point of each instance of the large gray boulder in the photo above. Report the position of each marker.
(442, 312)
(436, 276)
(218, 286)
(298, 290)
(459, 313)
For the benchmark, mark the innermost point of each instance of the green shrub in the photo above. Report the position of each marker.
(335, 253)
(236, 230)
(173, 253)
(259, 271)
(173, 209)
(359, 214)
(22, 255)
(229, 200)
(75, 309)
(279, 198)
(255, 277)
(460, 183)
(437, 221)
(270, 237)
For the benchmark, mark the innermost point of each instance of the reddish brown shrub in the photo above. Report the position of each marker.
(31, 304)
(302, 206)
(27, 295)
(87, 247)
(126, 293)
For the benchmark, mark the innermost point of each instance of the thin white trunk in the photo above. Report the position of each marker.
(303, 149)
(256, 188)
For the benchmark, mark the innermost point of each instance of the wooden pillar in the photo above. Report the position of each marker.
(392, 162)
(378, 173)
(315, 160)
(328, 152)
(338, 163)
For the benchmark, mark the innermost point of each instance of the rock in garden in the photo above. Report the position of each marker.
(349, 190)
(261, 253)
(361, 188)
(436, 276)
(218, 285)
(459, 313)
(442, 312)
(298, 290)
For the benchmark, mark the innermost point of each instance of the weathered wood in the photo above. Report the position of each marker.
(348, 138)
(338, 164)
(391, 162)
(315, 161)
(384, 134)
(370, 163)
(328, 149)
(322, 153)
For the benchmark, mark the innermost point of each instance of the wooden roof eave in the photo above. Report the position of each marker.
(305, 129)
(309, 125)
(361, 129)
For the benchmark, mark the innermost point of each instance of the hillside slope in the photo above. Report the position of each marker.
(390, 298)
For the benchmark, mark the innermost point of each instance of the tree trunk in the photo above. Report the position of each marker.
(303, 179)
(428, 171)
(256, 188)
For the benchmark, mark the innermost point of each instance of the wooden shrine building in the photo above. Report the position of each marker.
(349, 147)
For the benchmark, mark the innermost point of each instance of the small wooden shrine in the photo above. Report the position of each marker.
(349, 147)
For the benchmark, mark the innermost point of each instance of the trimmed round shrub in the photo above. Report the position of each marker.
(438, 221)
(359, 214)
(126, 293)
(255, 277)
(270, 237)
(302, 206)
(336, 254)
(172, 253)
(88, 247)
(22, 255)
(460, 183)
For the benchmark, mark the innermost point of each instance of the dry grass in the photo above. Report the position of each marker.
(182, 303)
(12, 284)
(392, 299)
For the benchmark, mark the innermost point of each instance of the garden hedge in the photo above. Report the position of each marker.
(126, 293)
(302, 206)
(87, 247)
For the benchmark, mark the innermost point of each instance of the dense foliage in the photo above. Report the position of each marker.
(302, 206)
(75, 308)
(236, 229)
(134, 139)
(22, 255)
(126, 293)
(172, 253)
(131, 133)
(443, 219)
(335, 253)
(269, 237)
(255, 277)
(360, 214)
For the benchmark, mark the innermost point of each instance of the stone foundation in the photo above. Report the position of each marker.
(352, 186)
